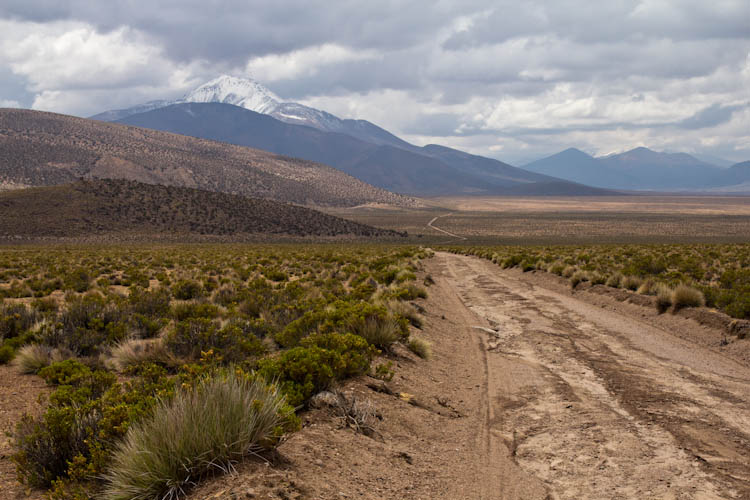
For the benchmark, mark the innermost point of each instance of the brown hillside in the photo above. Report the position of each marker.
(121, 207)
(42, 149)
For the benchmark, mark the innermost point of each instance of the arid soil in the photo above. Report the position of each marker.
(19, 394)
(533, 391)
(568, 220)
(601, 403)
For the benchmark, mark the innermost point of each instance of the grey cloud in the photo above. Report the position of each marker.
(617, 53)
(713, 115)
(234, 30)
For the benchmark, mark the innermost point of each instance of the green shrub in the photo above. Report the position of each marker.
(687, 296)
(226, 296)
(410, 292)
(6, 354)
(197, 433)
(356, 353)
(187, 290)
(151, 304)
(190, 338)
(72, 440)
(15, 319)
(194, 310)
(303, 371)
(78, 280)
(89, 324)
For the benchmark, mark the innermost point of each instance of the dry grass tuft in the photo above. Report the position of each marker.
(647, 287)
(663, 297)
(199, 432)
(615, 280)
(380, 332)
(420, 347)
(132, 352)
(687, 296)
(631, 283)
(32, 358)
(406, 310)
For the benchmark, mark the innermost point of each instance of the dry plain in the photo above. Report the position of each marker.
(573, 220)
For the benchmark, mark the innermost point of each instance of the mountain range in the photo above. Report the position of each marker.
(42, 149)
(243, 112)
(641, 169)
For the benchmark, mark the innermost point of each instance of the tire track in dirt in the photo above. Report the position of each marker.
(599, 405)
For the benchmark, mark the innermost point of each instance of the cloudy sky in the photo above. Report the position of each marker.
(515, 80)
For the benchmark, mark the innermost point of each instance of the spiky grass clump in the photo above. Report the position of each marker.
(648, 287)
(597, 278)
(132, 352)
(197, 433)
(687, 296)
(380, 332)
(663, 297)
(32, 358)
(406, 310)
(420, 347)
(631, 283)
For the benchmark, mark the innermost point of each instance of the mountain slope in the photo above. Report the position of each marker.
(119, 207)
(430, 171)
(45, 149)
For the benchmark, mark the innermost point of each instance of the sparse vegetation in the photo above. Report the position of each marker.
(717, 275)
(180, 320)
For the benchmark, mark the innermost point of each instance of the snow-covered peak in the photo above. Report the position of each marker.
(242, 92)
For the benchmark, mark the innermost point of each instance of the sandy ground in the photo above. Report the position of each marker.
(601, 403)
(533, 392)
(646, 204)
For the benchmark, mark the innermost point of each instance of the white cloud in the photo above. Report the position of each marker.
(304, 62)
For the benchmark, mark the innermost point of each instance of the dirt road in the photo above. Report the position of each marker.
(600, 405)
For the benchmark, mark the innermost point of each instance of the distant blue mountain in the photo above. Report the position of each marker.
(639, 169)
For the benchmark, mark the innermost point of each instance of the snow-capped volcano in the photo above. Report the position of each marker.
(250, 94)
(242, 92)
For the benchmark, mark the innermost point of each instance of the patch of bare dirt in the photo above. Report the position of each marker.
(19, 394)
(606, 399)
